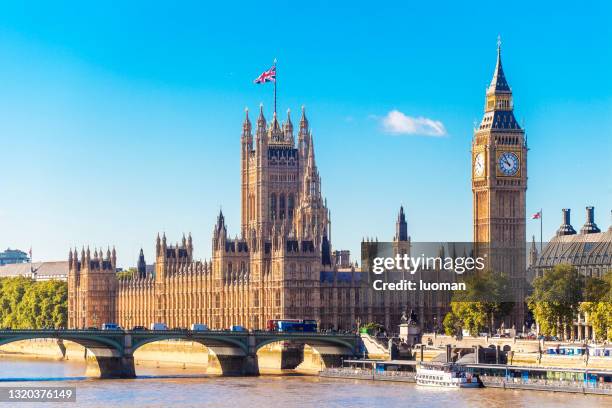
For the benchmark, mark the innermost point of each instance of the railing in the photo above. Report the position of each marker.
(576, 385)
(349, 372)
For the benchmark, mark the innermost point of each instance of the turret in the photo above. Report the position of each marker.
(114, 259)
(533, 252)
(566, 228)
(589, 226)
(247, 137)
(401, 227)
(261, 127)
(141, 265)
(303, 134)
(288, 129)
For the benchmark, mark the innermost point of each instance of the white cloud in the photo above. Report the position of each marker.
(398, 123)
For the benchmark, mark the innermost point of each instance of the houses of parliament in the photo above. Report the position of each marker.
(282, 265)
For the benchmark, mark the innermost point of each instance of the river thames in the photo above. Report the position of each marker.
(173, 388)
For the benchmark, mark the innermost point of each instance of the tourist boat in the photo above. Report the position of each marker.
(446, 375)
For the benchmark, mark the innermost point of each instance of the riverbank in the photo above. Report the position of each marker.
(488, 382)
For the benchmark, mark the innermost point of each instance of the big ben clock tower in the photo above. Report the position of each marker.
(499, 183)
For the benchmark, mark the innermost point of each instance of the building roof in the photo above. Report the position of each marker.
(578, 250)
(49, 270)
(499, 84)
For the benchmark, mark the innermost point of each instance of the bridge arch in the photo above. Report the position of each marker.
(329, 350)
(227, 354)
(104, 352)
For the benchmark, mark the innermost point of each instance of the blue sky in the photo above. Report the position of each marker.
(118, 121)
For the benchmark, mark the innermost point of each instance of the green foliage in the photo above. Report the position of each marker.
(372, 327)
(26, 304)
(556, 297)
(598, 306)
(452, 324)
(479, 305)
(127, 274)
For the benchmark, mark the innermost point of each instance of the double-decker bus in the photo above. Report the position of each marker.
(292, 325)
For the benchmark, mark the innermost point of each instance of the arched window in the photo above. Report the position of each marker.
(290, 205)
(281, 206)
(273, 206)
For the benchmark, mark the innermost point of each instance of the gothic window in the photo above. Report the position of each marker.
(281, 206)
(273, 206)
(290, 205)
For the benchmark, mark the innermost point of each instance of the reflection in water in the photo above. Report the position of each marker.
(156, 388)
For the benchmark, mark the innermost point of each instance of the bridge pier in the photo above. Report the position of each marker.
(108, 364)
(232, 365)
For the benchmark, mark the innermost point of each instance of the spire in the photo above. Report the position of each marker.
(499, 84)
(401, 227)
(261, 120)
(311, 158)
(288, 128)
(141, 265)
(303, 119)
(246, 126)
(275, 125)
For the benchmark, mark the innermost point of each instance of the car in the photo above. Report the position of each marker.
(136, 328)
(237, 329)
(92, 328)
(158, 326)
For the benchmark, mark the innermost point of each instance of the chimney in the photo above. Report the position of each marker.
(566, 228)
(589, 226)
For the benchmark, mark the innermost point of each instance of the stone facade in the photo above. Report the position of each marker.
(499, 184)
(281, 266)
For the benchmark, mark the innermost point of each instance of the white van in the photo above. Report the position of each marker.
(159, 326)
(199, 327)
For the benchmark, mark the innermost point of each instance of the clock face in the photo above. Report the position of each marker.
(479, 164)
(508, 163)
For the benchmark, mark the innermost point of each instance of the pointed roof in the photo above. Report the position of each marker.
(499, 82)
(247, 122)
(261, 119)
(311, 158)
(303, 119)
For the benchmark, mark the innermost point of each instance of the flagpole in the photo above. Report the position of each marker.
(275, 80)
(541, 217)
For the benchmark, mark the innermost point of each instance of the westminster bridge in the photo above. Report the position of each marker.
(110, 353)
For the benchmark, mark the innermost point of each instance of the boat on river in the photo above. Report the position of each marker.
(447, 375)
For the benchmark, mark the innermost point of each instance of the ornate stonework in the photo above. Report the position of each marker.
(499, 184)
(281, 266)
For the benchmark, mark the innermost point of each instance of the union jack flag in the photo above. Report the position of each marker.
(267, 76)
(537, 215)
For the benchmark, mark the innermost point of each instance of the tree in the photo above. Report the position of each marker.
(555, 299)
(480, 305)
(127, 274)
(598, 306)
(25, 303)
